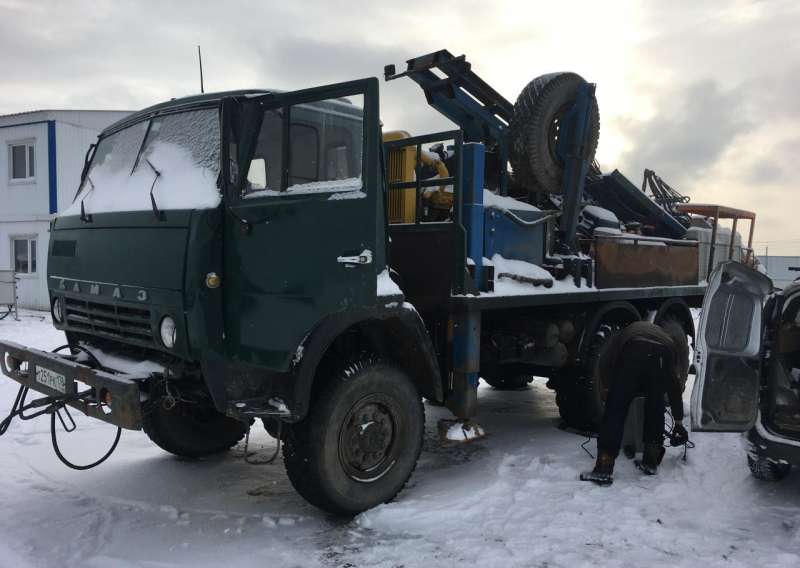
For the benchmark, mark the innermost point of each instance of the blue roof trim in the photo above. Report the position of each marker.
(51, 165)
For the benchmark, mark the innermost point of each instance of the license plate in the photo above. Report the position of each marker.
(51, 379)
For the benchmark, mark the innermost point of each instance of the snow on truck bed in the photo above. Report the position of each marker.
(511, 500)
(510, 287)
(505, 203)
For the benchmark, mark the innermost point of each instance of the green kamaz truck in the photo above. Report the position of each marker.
(255, 256)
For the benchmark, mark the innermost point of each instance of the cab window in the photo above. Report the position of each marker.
(325, 149)
(264, 173)
(305, 153)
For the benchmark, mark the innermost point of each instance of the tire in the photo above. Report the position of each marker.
(579, 400)
(190, 430)
(677, 332)
(361, 440)
(501, 379)
(768, 470)
(533, 131)
(580, 391)
(571, 402)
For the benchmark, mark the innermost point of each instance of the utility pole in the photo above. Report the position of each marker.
(200, 60)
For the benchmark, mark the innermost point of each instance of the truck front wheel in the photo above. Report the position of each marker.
(189, 429)
(361, 439)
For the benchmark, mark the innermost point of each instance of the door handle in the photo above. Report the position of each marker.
(365, 257)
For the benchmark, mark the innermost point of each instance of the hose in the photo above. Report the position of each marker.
(248, 455)
(64, 460)
(53, 405)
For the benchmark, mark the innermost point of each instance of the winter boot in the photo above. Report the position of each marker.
(603, 472)
(651, 459)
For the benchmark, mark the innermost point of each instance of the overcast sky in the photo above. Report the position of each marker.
(705, 93)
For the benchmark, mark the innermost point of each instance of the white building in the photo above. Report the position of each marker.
(782, 269)
(40, 171)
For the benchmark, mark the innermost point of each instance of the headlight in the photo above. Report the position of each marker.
(58, 310)
(168, 332)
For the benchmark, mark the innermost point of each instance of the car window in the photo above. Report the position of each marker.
(305, 153)
(327, 139)
(264, 173)
(325, 150)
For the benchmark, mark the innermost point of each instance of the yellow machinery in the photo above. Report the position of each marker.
(401, 166)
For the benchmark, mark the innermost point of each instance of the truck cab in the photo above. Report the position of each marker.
(748, 367)
(220, 251)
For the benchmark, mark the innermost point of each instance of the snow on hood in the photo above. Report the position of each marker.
(183, 184)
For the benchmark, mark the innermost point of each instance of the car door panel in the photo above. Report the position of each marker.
(283, 245)
(729, 350)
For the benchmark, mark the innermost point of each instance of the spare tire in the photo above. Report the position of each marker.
(534, 129)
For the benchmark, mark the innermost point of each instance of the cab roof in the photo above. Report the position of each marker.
(206, 99)
(173, 104)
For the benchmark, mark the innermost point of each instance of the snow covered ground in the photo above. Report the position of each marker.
(511, 499)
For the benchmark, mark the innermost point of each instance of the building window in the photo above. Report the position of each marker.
(21, 161)
(23, 250)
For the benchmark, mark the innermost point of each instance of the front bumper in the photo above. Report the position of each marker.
(20, 363)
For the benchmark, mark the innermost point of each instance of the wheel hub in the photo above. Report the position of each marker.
(367, 440)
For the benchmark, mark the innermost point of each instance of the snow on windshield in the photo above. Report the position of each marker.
(184, 148)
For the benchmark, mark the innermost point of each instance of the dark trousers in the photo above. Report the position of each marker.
(640, 371)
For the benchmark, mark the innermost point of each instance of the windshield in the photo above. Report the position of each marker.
(180, 152)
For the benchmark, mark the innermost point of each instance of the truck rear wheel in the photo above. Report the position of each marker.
(189, 429)
(360, 442)
(580, 390)
(581, 393)
(679, 336)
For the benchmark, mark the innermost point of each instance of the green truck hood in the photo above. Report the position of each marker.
(121, 273)
(131, 249)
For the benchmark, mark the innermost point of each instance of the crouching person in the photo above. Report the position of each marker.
(641, 359)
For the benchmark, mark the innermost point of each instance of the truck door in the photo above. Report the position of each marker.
(301, 237)
(728, 353)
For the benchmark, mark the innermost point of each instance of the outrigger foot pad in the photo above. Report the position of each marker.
(460, 431)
